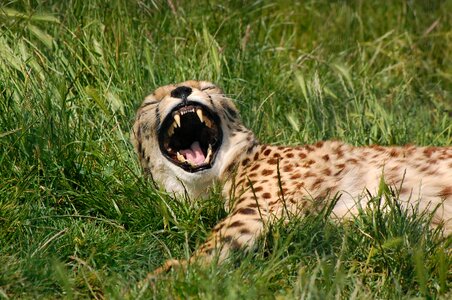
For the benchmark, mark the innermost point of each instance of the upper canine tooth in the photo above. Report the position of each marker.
(200, 115)
(177, 119)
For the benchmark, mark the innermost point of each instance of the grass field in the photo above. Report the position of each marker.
(77, 220)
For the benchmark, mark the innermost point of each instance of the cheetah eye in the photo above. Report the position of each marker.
(190, 136)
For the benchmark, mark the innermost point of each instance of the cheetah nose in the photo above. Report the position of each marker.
(181, 92)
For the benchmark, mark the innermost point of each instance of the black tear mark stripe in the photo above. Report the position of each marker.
(157, 117)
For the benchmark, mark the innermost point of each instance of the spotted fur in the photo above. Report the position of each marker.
(262, 183)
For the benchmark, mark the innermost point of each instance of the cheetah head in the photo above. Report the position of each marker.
(187, 134)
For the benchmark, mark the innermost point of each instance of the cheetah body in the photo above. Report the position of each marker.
(262, 182)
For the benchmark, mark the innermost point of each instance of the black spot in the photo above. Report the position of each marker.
(218, 227)
(248, 151)
(266, 195)
(226, 239)
(258, 189)
(246, 211)
(255, 167)
(236, 224)
(245, 161)
(273, 161)
(240, 200)
(230, 168)
(267, 172)
(245, 231)
(211, 101)
(235, 245)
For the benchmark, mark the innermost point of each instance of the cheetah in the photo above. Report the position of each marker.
(189, 136)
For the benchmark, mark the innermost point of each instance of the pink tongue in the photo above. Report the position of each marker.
(194, 154)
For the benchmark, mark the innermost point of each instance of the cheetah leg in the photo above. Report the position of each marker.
(237, 231)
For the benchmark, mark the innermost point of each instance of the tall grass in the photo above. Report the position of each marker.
(77, 219)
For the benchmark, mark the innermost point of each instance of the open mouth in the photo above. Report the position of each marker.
(190, 136)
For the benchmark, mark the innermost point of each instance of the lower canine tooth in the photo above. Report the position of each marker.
(180, 157)
(209, 155)
(200, 115)
(209, 150)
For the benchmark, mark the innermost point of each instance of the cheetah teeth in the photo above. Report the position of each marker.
(200, 115)
(176, 120)
(208, 122)
(180, 157)
(209, 154)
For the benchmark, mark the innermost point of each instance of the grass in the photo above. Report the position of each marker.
(77, 220)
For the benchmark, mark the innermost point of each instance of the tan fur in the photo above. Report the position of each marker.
(262, 182)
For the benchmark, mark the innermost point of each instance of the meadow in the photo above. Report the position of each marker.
(77, 218)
